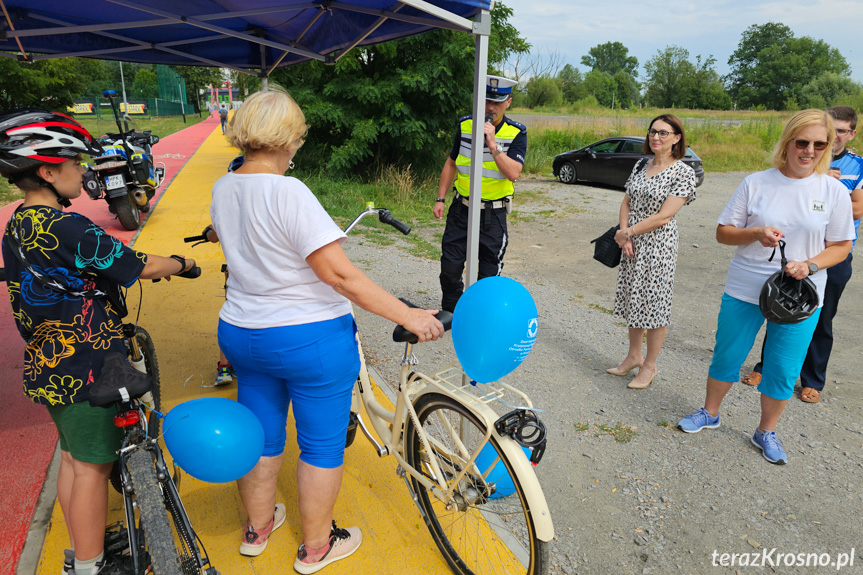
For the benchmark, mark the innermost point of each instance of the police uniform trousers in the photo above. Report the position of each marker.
(493, 240)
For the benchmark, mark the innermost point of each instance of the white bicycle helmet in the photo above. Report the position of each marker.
(30, 137)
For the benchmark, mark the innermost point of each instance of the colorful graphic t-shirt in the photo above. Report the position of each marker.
(67, 336)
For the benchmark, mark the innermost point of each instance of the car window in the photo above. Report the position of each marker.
(631, 147)
(605, 147)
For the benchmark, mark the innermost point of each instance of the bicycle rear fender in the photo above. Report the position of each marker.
(522, 467)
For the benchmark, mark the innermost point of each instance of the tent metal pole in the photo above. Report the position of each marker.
(475, 199)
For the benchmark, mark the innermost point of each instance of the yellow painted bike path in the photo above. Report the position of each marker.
(181, 317)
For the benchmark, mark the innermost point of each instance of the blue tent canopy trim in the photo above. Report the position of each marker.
(254, 36)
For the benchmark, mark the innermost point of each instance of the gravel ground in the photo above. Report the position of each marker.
(657, 501)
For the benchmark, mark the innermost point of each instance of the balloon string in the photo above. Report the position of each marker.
(489, 397)
(165, 429)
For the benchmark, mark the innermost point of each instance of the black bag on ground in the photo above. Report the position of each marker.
(606, 251)
(119, 381)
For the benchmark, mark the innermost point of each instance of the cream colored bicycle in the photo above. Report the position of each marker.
(467, 466)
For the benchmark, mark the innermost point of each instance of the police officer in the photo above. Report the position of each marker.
(503, 153)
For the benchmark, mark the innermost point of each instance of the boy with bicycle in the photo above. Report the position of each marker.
(60, 270)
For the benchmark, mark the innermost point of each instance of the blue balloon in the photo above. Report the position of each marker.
(498, 475)
(493, 328)
(214, 439)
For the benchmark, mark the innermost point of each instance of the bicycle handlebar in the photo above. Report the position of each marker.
(387, 218)
(192, 273)
(384, 216)
(191, 239)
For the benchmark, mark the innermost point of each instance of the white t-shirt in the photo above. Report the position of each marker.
(808, 211)
(268, 225)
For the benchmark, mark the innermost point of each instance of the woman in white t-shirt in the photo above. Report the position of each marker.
(286, 325)
(795, 201)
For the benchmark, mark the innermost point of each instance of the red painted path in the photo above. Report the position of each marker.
(27, 434)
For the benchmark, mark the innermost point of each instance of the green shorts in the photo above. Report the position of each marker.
(88, 433)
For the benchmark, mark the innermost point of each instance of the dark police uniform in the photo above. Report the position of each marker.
(496, 193)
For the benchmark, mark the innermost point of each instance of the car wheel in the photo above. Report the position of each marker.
(567, 173)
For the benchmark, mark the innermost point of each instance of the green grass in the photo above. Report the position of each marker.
(723, 148)
(621, 433)
(408, 199)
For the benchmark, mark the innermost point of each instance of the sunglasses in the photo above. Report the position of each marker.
(803, 144)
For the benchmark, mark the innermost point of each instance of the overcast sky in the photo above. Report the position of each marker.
(572, 27)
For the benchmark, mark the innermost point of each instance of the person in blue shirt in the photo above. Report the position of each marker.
(847, 167)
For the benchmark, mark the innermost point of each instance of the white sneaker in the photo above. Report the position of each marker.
(343, 543)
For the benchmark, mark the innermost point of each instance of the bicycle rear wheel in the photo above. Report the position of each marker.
(145, 343)
(481, 532)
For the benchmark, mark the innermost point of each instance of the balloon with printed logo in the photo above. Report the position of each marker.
(214, 439)
(493, 328)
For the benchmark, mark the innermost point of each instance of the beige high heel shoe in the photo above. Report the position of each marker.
(621, 372)
(642, 385)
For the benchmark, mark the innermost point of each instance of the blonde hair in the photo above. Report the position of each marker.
(799, 122)
(269, 120)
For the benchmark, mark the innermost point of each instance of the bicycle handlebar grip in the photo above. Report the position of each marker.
(193, 273)
(191, 239)
(387, 218)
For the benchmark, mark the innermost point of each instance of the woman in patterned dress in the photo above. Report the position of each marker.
(655, 191)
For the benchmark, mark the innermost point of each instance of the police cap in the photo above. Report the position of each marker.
(498, 89)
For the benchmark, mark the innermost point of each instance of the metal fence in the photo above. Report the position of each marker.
(138, 108)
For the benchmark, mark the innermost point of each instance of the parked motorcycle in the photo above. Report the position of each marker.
(125, 174)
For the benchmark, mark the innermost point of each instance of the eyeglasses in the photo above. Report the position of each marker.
(803, 144)
(843, 131)
(661, 133)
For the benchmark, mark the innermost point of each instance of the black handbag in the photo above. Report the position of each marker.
(605, 249)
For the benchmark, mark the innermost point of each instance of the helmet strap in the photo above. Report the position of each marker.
(783, 260)
(64, 202)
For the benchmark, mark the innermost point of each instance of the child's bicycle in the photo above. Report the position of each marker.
(161, 540)
(467, 467)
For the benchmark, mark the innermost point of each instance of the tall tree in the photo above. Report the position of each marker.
(611, 58)
(392, 103)
(571, 84)
(543, 91)
(50, 84)
(668, 77)
(602, 86)
(827, 90)
(770, 66)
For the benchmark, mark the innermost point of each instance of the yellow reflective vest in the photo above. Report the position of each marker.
(494, 184)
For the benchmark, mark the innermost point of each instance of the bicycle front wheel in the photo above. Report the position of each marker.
(488, 527)
(154, 516)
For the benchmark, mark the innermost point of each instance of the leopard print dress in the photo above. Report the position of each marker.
(645, 282)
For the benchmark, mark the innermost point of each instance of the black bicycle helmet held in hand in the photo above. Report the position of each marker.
(30, 137)
(785, 300)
